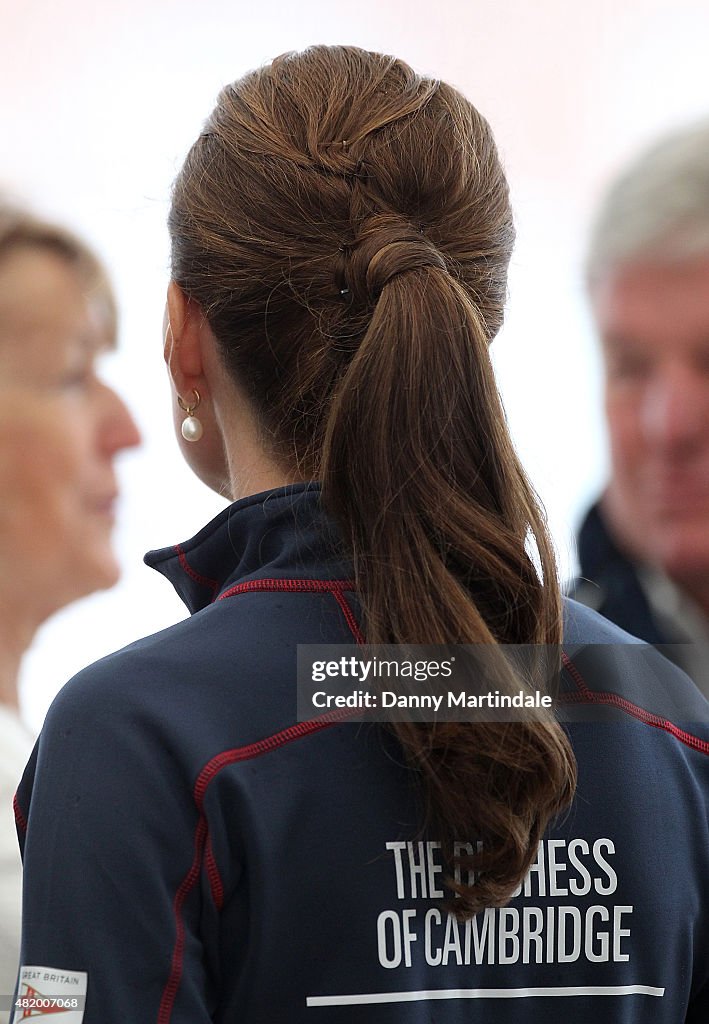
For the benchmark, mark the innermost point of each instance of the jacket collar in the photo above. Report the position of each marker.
(279, 534)
(610, 582)
(597, 550)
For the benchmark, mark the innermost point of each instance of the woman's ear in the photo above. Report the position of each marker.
(189, 355)
(183, 341)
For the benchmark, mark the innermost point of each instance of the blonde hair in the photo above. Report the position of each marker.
(19, 228)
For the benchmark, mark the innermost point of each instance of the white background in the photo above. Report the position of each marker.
(100, 102)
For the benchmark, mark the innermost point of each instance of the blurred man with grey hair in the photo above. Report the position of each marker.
(644, 547)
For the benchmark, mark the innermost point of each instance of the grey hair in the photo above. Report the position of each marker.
(657, 210)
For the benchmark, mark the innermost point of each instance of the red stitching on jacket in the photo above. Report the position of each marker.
(228, 757)
(349, 616)
(215, 879)
(190, 880)
(260, 747)
(336, 588)
(588, 696)
(193, 574)
(317, 586)
(203, 847)
(19, 816)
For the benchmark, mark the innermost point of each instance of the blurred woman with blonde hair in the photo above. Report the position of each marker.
(60, 430)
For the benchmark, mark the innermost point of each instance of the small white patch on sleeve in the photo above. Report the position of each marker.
(43, 992)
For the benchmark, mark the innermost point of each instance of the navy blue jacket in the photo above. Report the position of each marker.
(608, 582)
(203, 857)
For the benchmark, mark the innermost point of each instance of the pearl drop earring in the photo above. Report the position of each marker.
(191, 426)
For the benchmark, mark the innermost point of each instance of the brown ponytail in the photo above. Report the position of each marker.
(346, 227)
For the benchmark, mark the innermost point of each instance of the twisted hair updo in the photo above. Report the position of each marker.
(345, 226)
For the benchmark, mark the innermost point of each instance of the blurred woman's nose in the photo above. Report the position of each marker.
(119, 428)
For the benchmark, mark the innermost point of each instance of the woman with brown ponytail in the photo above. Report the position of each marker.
(341, 231)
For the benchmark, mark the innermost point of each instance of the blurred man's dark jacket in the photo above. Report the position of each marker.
(611, 583)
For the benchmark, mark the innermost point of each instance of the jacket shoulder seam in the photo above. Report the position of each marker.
(585, 695)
